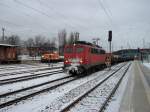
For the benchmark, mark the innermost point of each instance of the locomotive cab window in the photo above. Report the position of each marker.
(101, 52)
(94, 51)
(79, 49)
(68, 50)
(97, 51)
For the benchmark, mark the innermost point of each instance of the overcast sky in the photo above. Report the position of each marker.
(128, 19)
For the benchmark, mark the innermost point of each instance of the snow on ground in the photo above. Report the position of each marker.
(147, 65)
(27, 57)
(44, 71)
(115, 102)
(28, 83)
(94, 100)
(14, 65)
(41, 101)
(29, 68)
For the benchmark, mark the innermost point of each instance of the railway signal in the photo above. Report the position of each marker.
(109, 40)
(109, 36)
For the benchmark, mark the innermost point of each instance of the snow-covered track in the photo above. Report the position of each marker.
(86, 96)
(29, 77)
(10, 67)
(19, 95)
(104, 105)
(28, 71)
(31, 91)
(16, 67)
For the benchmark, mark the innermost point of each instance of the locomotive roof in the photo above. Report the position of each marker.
(87, 43)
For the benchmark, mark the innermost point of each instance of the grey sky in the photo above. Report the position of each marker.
(128, 19)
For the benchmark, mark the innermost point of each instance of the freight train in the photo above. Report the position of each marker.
(83, 57)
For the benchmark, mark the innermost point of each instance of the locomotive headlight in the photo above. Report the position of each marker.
(81, 61)
(66, 61)
(42, 56)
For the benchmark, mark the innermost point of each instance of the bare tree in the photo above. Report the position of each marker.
(39, 40)
(13, 39)
(62, 35)
(71, 38)
(30, 42)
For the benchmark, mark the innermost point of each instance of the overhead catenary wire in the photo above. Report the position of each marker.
(60, 14)
(105, 11)
(41, 12)
(27, 17)
(49, 16)
(108, 8)
(8, 22)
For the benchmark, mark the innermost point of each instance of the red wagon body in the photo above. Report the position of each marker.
(8, 53)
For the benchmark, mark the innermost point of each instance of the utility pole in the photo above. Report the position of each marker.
(143, 43)
(3, 34)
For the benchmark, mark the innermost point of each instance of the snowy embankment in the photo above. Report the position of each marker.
(115, 102)
(147, 65)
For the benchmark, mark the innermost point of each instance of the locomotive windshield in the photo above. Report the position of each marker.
(69, 50)
(79, 49)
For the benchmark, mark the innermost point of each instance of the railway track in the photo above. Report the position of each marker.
(10, 98)
(97, 97)
(28, 77)
(28, 71)
(14, 67)
(73, 97)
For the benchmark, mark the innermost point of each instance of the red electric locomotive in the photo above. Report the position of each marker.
(82, 56)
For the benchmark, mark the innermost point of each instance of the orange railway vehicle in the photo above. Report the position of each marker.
(50, 57)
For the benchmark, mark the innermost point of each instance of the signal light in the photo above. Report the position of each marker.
(110, 36)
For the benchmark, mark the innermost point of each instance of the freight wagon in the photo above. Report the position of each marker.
(8, 53)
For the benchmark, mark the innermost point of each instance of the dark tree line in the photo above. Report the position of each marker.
(13, 40)
(41, 43)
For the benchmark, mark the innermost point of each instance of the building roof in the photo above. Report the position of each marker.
(7, 45)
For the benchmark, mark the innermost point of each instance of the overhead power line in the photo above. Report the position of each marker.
(105, 11)
(20, 12)
(108, 8)
(60, 14)
(14, 24)
(39, 11)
